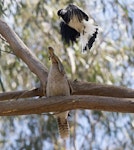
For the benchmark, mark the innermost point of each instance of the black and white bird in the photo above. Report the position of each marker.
(76, 24)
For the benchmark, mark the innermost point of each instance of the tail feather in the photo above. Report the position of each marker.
(63, 127)
(92, 39)
(88, 36)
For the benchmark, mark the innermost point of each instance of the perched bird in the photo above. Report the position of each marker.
(76, 24)
(58, 85)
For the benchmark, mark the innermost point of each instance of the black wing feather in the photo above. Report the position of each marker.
(92, 39)
(74, 10)
(68, 34)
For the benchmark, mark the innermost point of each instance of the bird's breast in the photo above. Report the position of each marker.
(57, 84)
(76, 24)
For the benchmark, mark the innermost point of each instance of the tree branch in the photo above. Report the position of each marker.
(63, 103)
(79, 88)
(23, 52)
(89, 88)
(21, 94)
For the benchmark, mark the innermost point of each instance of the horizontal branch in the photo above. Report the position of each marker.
(20, 94)
(23, 52)
(90, 88)
(63, 103)
(79, 88)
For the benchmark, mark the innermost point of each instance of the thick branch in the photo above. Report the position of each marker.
(79, 88)
(63, 103)
(89, 88)
(23, 52)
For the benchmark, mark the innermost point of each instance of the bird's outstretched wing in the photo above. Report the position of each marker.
(73, 10)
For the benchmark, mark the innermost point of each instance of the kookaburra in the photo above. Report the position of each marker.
(76, 24)
(58, 85)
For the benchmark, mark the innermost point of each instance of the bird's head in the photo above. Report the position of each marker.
(55, 60)
(61, 12)
(64, 14)
(52, 55)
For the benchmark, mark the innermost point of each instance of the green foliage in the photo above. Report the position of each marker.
(2, 9)
(110, 61)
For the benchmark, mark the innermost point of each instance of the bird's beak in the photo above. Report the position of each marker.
(50, 52)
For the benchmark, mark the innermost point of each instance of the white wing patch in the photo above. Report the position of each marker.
(89, 30)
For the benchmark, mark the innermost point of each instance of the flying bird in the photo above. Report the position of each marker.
(76, 24)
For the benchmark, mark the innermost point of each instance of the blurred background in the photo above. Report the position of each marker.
(110, 61)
